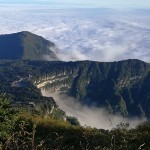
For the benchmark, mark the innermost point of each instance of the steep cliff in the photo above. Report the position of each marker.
(119, 86)
(122, 86)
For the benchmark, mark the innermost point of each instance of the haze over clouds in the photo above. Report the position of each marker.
(90, 116)
(94, 34)
(83, 3)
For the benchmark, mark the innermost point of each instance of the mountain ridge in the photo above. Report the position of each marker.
(120, 87)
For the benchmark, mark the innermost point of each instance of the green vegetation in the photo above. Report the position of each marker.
(7, 117)
(30, 121)
(118, 86)
(27, 46)
(24, 130)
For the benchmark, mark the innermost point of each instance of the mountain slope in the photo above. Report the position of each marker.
(122, 87)
(27, 46)
(118, 86)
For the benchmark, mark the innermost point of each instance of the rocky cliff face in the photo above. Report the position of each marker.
(122, 87)
(61, 82)
(118, 86)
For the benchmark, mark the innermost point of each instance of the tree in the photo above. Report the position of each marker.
(7, 117)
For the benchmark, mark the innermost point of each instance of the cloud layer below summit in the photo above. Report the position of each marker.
(93, 34)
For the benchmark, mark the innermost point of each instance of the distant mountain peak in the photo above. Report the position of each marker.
(26, 45)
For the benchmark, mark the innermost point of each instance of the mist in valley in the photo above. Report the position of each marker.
(90, 116)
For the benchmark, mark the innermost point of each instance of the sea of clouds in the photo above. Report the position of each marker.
(106, 34)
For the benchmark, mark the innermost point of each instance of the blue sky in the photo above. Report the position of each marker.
(85, 3)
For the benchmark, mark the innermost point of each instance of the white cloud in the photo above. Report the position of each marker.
(90, 116)
(101, 35)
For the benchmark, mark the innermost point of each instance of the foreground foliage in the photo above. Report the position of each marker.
(22, 130)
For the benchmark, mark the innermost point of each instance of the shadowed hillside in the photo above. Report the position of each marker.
(27, 46)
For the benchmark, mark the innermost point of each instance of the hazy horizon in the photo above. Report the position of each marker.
(83, 3)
